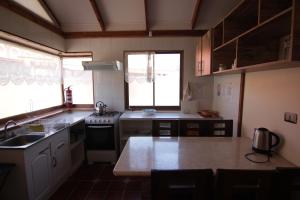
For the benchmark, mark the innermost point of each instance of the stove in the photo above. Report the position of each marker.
(102, 137)
(106, 118)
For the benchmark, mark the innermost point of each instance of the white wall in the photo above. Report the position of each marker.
(109, 86)
(226, 94)
(268, 95)
(20, 26)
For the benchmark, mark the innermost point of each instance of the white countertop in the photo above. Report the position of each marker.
(69, 117)
(141, 154)
(161, 115)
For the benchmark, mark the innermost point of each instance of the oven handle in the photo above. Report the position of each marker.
(99, 127)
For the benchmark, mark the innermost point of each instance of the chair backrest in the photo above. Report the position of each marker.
(244, 184)
(288, 183)
(221, 128)
(182, 184)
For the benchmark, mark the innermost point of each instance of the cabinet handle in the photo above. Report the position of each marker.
(61, 145)
(43, 151)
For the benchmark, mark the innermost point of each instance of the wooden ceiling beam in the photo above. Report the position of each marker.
(98, 14)
(146, 14)
(24, 12)
(50, 12)
(155, 33)
(195, 13)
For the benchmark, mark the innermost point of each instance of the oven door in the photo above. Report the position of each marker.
(100, 137)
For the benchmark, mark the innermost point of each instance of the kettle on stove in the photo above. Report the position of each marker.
(264, 140)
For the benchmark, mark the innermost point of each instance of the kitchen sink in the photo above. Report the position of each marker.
(21, 140)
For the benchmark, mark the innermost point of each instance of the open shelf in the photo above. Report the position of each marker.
(241, 19)
(267, 43)
(225, 57)
(270, 8)
(218, 35)
(260, 34)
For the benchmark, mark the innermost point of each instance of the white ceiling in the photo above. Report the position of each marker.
(119, 15)
(122, 14)
(36, 7)
(74, 15)
(171, 14)
(212, 11)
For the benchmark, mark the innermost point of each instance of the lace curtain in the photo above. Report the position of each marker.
(19, 65)
(140, 68)
(81, 82)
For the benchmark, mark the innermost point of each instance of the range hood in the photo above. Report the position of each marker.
(102, 65)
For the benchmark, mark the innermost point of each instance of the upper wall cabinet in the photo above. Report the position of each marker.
(258, 35)
(203, 55)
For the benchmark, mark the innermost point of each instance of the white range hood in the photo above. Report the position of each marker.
(102, 65)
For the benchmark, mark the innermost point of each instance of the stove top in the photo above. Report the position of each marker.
(106, 118)
(107, 114)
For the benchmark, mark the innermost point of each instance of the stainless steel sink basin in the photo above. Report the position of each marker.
(21, 140)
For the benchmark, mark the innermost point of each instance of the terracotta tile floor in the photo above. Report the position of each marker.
(97, 182)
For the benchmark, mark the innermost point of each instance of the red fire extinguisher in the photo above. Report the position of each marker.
(69, 102)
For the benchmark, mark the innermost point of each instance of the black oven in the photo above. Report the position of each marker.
(100, 137)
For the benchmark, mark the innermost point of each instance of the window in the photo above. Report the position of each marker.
(30, 80)
(81, 82)
(153, 79)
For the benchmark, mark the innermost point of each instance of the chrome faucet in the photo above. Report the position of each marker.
(6, 125)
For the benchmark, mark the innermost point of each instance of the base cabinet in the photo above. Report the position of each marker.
(39, 170)
(39, 167)
(60, 158)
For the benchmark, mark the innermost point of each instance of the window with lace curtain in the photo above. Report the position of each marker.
(30, 80)
(81, 82)
(153, 79)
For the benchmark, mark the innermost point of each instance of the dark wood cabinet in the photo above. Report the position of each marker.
(166, 128)
(198, 57)
(203, 55)
(194, 128)
(206, 128)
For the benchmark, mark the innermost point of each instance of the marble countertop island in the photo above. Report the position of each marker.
(141, 154)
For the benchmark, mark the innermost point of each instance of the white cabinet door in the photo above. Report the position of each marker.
(61, 156)
(40, 166)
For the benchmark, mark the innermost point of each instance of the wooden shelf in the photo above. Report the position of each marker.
(241, 19)
(270, 20)
(281, 64)
(270, 8)
(218, 35)
(265, 43)
(260, 35)
(224, 56)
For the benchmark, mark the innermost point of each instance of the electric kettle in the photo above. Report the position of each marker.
(264, 140)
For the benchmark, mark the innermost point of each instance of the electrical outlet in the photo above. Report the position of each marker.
(291, 117)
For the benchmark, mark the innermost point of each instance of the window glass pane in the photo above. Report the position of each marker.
(140, 85)
(167, 79)
(30, 80)
(81, 82)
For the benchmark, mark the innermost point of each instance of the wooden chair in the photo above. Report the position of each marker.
(221, 128)
(288, 183)
(244, 184)
(182, 184)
